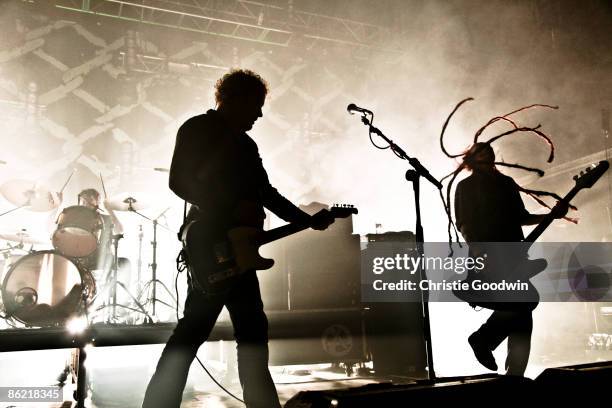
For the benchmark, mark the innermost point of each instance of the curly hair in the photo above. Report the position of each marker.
(239, 82)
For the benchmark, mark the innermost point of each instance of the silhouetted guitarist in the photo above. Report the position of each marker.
(489, 208)
(216, 167)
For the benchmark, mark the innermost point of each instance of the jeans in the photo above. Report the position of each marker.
(517, 326)
(245, 307)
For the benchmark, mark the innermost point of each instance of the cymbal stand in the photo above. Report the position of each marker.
(15, 209)
(29, 195)
(154, 281)
(10, 248)
(115, 282)
(139, 269)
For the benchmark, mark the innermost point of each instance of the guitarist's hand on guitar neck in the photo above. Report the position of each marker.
(560, 210)
(321, 220)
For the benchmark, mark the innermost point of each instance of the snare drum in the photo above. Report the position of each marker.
(45, 288)
(78, 231)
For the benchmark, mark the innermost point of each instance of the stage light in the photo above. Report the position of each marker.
(76, 325)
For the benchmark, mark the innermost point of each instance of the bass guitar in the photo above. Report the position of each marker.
(510, 261)
(215, 264)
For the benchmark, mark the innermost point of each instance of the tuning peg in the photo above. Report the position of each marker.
(588, 169)
(575, 177)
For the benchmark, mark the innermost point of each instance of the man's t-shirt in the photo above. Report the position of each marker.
(489, 206)
(215, 169)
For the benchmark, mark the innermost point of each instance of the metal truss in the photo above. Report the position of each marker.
(567, 168)
(149, 64)
(273, 22)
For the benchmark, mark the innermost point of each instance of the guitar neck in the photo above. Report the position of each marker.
(545, 223)
(281, 232)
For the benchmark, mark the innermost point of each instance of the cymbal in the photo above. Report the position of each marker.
(22, 236)
(30, 195)
(130, 201)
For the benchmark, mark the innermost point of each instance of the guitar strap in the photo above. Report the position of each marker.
(182, 259)
(184, 211)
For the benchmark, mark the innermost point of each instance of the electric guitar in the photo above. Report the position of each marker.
(215, 263)
(511, 261)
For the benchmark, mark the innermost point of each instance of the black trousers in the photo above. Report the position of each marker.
(517, 326)
(250, 329)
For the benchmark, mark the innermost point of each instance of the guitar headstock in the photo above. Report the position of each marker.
(589, 176)
(343, 210)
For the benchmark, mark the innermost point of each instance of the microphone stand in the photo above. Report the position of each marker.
(414, 162)
(414, 176)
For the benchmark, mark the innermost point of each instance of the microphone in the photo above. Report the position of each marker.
(352, 108)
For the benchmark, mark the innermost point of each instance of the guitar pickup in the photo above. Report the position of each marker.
(222, 252)
(223, 275)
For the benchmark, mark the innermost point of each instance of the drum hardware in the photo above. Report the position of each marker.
(115, 283)
(14, 209)
(22, 237)
(5, 252)
(30, 194)
(130, 202)
(26, 193)
(139, 268)
(109, 289)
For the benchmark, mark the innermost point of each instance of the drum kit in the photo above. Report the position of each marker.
(42, 288)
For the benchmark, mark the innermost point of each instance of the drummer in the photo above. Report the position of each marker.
(102, 257)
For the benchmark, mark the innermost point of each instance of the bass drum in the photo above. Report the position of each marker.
(46, 289)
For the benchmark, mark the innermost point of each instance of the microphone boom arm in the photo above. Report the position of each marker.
(414, 162)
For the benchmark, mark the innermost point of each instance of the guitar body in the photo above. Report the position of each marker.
(511, 262)
(509, 267)
(217, 259)
(246, 250)
(210, 259)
